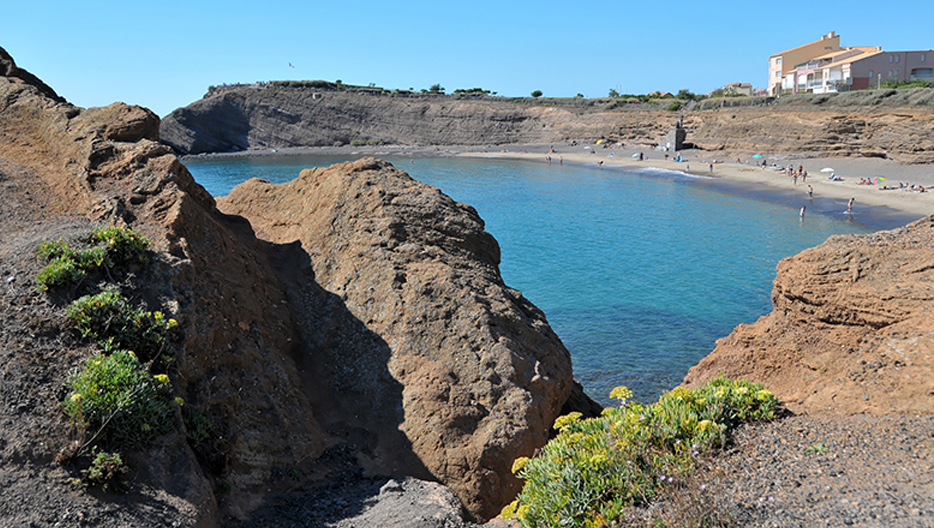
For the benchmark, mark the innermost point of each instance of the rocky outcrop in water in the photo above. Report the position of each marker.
(851, 329)
(884, 123)
(375, 338)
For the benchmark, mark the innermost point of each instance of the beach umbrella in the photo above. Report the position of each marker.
(827, 169)
(758, 156)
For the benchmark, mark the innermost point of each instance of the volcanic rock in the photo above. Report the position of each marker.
(850, 331)
(479, 374)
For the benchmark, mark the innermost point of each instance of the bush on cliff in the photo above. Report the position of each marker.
(118, 402)
(114, 248)
(596, 468)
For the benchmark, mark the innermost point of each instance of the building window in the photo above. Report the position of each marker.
(897, 57)
(891, 58)
(871, 74)
(778, 60)
(923, 56)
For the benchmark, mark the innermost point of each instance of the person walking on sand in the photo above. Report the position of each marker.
(849, 206)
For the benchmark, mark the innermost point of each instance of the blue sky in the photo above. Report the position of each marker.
(164, 55)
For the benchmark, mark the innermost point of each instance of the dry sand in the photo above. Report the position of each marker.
(725, 166)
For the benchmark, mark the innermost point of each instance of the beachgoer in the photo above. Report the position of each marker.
(803, 208)
(711, 167)
(794, 179)
(804, 177)
(810, 192)
(600, 163)
(849, 206)
(560, 160)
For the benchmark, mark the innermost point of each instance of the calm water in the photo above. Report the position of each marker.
(638, 274)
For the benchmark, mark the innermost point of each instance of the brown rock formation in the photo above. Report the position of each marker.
(380, 308)
(851, 329)
(879, 123)
(481, 374)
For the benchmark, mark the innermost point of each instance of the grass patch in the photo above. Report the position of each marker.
(596, 468)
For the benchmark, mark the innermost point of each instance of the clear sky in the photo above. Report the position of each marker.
(164, 55)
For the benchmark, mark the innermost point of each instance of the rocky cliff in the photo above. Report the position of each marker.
(882, 123)
(365, 332)
(850, 331)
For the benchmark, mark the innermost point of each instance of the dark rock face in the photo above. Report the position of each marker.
(274, 116)
(850, 331)
(478, 375)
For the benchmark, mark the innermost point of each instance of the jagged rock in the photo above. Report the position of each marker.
(851, 328)
(476, 374)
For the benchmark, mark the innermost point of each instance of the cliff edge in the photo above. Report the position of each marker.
(893, 124)
(850, 331)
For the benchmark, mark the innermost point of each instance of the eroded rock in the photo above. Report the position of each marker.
(851, 329)
(480, 375)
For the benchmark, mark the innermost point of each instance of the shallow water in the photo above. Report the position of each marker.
(638, 274)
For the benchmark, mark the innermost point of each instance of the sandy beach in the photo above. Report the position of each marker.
(739, 168)
(748, 170)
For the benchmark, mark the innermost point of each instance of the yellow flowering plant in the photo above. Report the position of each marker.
(595, 468)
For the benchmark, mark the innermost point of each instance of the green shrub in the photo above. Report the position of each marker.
(123, 246)
(198, 427)
(674, 107)
(59, 272)
(116, 247)
(357, 143)
(49, 251)
(109, 320)
(374, 142)
(595, 468)
(117, 401)
(105, 468)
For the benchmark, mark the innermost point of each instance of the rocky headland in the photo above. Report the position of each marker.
(359, 329)
(893, 124)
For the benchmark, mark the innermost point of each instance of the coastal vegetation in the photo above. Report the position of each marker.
(596, 469)
(121, 397)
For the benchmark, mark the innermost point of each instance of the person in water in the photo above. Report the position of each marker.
(849, 206)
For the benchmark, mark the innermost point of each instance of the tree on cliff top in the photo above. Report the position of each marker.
(537, 93)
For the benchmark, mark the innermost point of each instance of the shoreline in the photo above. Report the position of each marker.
(749, 178)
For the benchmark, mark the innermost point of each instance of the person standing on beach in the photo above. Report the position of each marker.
(794, 178)
(849, 206)
(711, 168)
(810, 192)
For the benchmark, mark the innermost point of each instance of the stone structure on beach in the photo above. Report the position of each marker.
(366, 331)
(674, 139)
(851, 329)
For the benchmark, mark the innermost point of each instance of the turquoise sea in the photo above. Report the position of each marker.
(638, 273)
